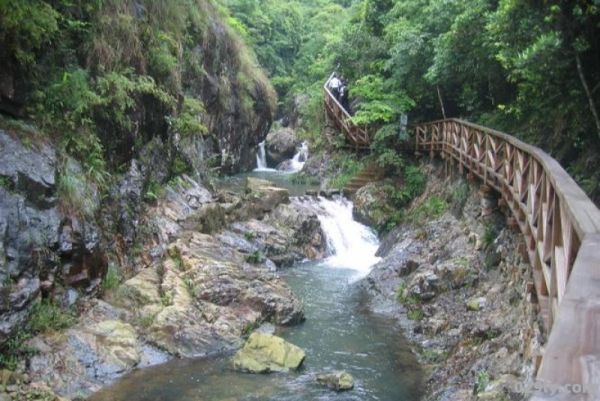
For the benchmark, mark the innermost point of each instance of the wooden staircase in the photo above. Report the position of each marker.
(372, 172)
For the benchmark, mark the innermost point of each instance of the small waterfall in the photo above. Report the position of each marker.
(353, 245)
(261, 158)
(299, 158)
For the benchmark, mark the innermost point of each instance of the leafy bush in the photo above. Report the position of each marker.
(255, 257)
(47, 316)
(432, 208)
(343, 168)
(379, 105)
(189, 120)
(483, 379)
(75, 191)
(26, 27)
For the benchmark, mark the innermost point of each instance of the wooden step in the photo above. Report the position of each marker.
(372, 172)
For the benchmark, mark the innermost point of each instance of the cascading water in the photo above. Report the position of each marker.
(352, 244)
(261, 158)
(289, 166)
(299, 158)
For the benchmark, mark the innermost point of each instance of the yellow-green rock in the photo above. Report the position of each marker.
(476, 304)
(338, 381)
(264, 353)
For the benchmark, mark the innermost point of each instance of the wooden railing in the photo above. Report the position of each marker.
(561, 227)
(358, 136)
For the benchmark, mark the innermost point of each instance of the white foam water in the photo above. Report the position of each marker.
(352, 244)
(261, 158)
(297, 162)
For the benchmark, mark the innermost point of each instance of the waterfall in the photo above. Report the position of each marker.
(292, 165)
(299, 158)
(261, 158)
(352, 245)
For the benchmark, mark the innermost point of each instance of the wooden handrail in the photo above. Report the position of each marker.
(358, 136)
(561, 227)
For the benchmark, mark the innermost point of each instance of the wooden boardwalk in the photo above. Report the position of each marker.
(357, 136)
(561, 227)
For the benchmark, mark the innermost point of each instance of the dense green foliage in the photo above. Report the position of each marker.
(528, 68)
(103, 77)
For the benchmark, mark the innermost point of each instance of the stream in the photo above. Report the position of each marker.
(339, 333)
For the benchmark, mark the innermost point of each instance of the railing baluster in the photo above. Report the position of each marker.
(554, 214)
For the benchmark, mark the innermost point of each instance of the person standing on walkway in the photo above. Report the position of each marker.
(334, 86)
(344, 96)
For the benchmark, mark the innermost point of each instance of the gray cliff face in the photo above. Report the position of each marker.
(42, 250)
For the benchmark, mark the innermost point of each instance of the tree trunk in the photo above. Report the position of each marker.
(588, 93)
(441, 101)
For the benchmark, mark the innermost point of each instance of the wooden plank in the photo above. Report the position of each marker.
(560, 270)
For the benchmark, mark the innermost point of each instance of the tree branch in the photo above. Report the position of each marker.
(588, 93)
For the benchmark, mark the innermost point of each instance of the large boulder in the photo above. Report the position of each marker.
(262, 196)
(264, 353)
(281, 145)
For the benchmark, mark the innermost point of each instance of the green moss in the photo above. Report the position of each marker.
(415, 314)
(6, 183)
(112, 279)
(433, 355)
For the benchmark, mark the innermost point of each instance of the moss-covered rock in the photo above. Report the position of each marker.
(264, 353)
(338, 381)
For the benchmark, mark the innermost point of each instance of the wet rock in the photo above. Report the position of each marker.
(338, 381)
(281, 145)
(264, 353)
(30, 171)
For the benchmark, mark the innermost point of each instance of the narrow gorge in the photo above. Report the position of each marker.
(241, 200)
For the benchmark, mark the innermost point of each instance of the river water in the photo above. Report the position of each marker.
(339, 333)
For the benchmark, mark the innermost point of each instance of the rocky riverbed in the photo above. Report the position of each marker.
(208, 279)
(458, 284)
